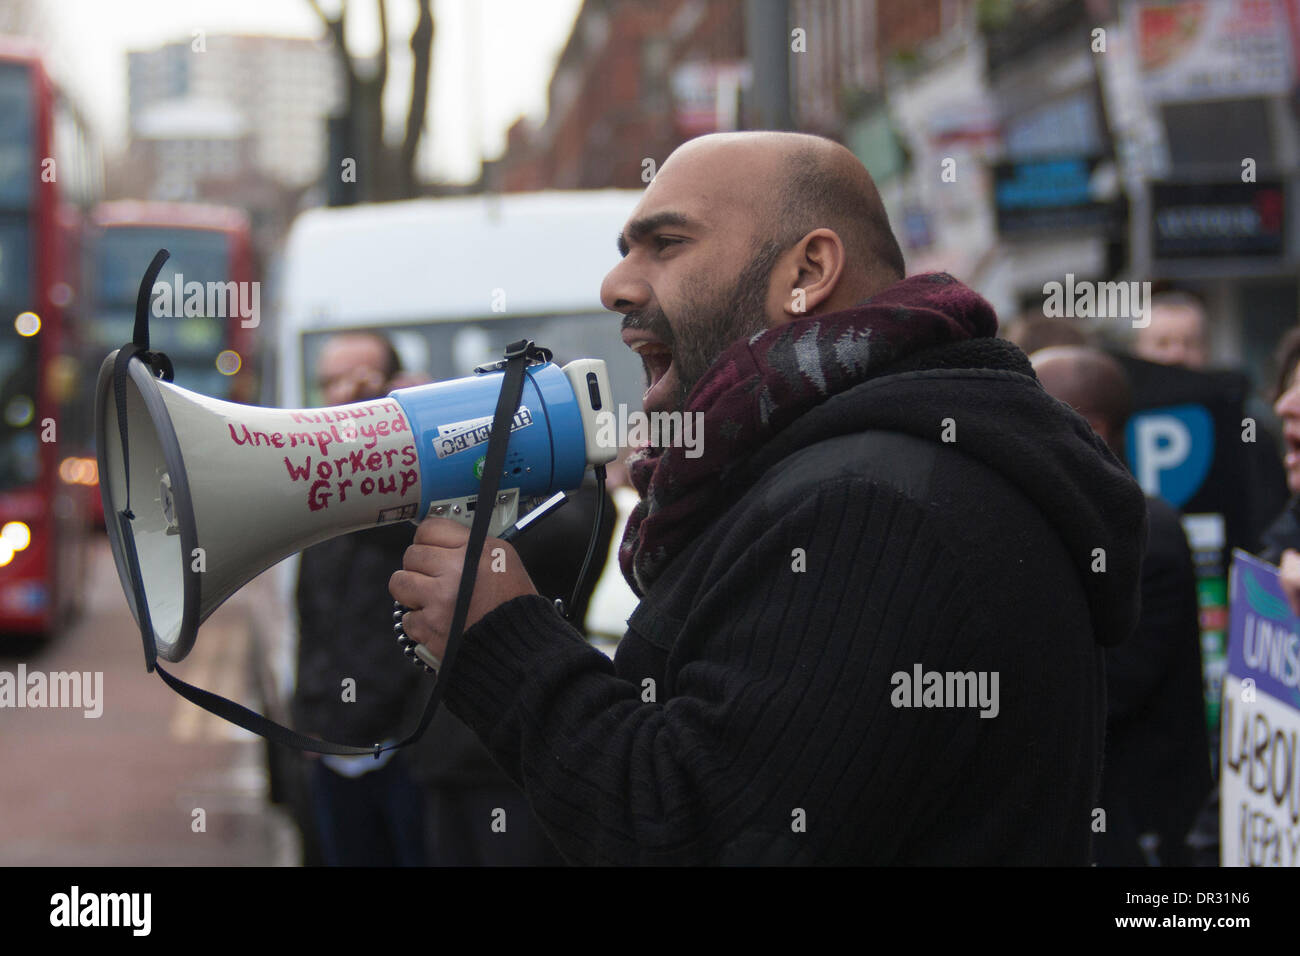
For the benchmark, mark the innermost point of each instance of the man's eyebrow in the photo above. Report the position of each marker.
(639, 228)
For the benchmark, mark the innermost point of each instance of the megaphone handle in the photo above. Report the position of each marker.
(417, 652)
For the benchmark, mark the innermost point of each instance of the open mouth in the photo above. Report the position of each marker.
(656, 358)
(1292, 449)
(660, 372)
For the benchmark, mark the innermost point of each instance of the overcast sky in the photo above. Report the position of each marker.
(498, 52)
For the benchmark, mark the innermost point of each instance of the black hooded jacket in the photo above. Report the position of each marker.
(950, 518)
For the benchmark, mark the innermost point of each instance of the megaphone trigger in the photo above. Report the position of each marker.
(547, 507)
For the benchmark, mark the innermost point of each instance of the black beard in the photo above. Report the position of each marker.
(709, 325)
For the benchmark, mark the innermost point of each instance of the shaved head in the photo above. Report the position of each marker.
(793, 183)
(1090, 382)
(825, 185)
(738, 233)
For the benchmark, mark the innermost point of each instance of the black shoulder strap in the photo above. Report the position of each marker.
(517, 356)
(158, 364)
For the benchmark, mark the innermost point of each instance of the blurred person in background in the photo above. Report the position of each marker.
(1176, 333)
(1156, 767)
(367, 812)
(1033, 332)
(1280, 545)
(1178, 336)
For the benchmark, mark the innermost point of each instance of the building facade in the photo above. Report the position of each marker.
(281, 89)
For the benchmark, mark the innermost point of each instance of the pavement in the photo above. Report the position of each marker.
(126, 788)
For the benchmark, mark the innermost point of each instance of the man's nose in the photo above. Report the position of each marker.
(622, 290)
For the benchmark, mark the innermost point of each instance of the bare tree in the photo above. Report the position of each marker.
(382, 172)
(421, 64)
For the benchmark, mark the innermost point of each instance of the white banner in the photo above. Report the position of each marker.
(1211, 49)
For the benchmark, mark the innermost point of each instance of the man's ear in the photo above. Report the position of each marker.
(809, 274)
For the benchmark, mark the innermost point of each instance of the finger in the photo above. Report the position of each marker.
(441, 533)
(414, 590)
(424, 628)
(433, 561)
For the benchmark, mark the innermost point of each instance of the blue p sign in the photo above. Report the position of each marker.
(1171, 450)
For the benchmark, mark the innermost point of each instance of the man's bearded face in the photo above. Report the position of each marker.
(708, 322)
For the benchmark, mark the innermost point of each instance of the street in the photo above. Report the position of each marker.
(125, 788)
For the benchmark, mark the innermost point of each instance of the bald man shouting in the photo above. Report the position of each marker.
(872, 610)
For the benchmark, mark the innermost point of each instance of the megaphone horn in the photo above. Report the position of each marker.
(220, 491)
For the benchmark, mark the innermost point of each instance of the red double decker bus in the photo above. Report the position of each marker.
(49, 173)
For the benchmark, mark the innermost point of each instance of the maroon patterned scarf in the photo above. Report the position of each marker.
(758, 387)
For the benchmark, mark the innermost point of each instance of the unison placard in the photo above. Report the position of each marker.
(1260, 772)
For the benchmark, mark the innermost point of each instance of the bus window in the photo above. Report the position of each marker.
(16, 153)
(19, 450)
(15, 266)
(124, 252)
(180, 324)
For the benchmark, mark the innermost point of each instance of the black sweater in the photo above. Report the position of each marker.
(749, 714)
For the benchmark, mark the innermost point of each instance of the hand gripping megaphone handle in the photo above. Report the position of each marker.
(417, 652)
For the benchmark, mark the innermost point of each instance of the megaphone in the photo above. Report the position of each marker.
(220, 491)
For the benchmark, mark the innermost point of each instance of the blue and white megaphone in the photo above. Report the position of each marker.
(219, 492)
